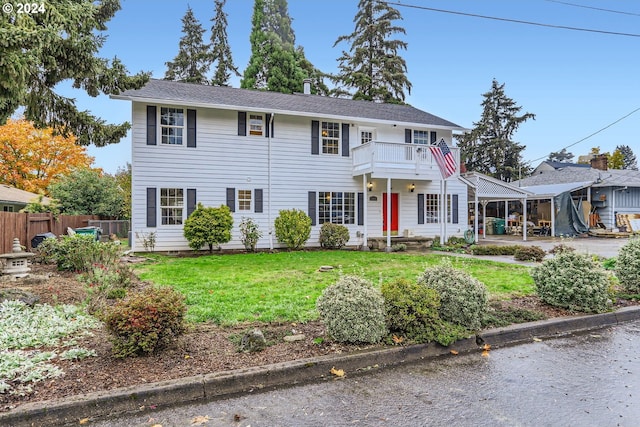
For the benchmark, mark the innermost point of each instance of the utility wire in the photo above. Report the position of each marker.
(595, 8)
(517, 21)
(593, 134)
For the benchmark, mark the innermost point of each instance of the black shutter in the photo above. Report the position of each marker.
(242, 123)
(454, 208)
(361, 203)
(407, 136)
(259, 200)
(345, 139)
(315, 137)
(268, 125)
(191, 128)
(231, 199)
(151, 124)
(434, 137)
(420, 208)
(151, 206)
(191, 201)
(312, 206)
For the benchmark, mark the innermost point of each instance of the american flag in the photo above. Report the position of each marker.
(444, 158)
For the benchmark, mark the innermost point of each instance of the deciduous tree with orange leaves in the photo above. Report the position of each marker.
(31, 159)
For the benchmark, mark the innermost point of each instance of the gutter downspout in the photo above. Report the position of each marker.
(269, 181)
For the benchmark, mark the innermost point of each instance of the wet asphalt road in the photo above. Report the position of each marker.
(591, 379)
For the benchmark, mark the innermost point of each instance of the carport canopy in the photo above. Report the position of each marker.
(484, 189)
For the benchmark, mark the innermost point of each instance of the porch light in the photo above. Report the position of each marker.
(412, 187)
(370, 185)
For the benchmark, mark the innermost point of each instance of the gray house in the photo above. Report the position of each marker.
(13, 199)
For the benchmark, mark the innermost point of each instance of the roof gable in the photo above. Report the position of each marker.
(297, 104)
(14, 195)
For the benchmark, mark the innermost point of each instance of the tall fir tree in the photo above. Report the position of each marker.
(373, 66)
(489, 148)
(629, 159)
(61, 44)
(220, 49)
(193, 60)
(276, 64)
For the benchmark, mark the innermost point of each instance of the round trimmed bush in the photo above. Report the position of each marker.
(573, 281)
(463, 299)
(529, 253)
(293, 228)
(353, 311)
(333, 236)
(628, 266)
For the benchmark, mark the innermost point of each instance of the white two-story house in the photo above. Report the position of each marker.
(362, 164)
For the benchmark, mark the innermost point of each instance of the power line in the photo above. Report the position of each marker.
(593, 134)
(595, 8)
(517, 21)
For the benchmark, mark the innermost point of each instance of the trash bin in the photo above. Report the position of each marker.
(39, 238)
(94, 231)
(498, 226)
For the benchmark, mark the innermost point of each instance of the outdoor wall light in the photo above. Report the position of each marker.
(412, 187)
(370, 185)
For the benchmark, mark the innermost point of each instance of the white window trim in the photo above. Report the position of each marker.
(183, 127)
(366, 129)
(262, 126)
(183, 207)
(339, 139)
(251, 200)
(354, 218)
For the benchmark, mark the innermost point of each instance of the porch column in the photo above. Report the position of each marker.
(506, 216)
(484, 218)
(524, 219)
(553, 217)
(388, 248)
(476, 215)
(365, 246)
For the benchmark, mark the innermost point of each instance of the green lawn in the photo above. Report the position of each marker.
(228, 289)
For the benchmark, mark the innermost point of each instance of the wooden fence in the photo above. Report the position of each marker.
(25, 226)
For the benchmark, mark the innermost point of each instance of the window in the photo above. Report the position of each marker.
(366, 136)
(431, 208)
(330, 137)
(256, 122)
(171, 205)
(7, 208)
(420, 137)
(172, 125)
(336, 207)
(244, 200)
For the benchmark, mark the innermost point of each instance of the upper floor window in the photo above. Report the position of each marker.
(366, 136)
(171, 205)
(172, 125)
(330, 133)
(244, 200)
(256, 124)
(420, 137)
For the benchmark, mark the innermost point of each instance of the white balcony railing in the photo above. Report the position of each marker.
(393, 159)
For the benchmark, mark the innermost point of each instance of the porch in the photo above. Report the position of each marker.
(397, 160)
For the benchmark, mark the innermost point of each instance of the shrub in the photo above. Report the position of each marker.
(145, 321)
(573, 281)
(293, 228)
(628, 266)
(208, 226)
(249, 234)
(80, 252)
(399, 247)
(333, 236)
(494, 249)
(463, 299)
(106, 283)
(560, 248)
(353, 311)
(529, 253)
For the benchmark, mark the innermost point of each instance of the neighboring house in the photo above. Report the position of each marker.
(13, 199)
(550, 166)
(607, 191)
(341, 161)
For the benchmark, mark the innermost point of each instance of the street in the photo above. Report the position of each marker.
(588, 380)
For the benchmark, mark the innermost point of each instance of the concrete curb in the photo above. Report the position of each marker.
(209, 387)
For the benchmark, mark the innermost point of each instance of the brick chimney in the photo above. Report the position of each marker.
(599, 162)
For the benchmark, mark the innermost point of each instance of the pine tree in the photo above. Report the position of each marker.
(629, 159)
(193, 61)
(41, 50)
(489, 148)
(373, 67)
(275, 64)
(220, 50)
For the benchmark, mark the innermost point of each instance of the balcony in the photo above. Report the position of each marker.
(398, 160)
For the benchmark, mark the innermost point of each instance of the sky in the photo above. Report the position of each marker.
(575, 82)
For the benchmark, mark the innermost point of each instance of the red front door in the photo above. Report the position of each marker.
(394, 213)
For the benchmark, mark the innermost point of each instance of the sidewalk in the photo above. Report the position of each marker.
(149, 397)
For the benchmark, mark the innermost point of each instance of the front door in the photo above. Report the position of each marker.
(394, 214)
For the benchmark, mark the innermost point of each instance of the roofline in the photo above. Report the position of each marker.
(277, 111)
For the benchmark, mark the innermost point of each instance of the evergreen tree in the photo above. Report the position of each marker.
(41, 50)
(560, 156)
(220, 50)
(616, 160)
(193, 61)
(629, 159)
(275, 64)
(373, 67)
(489, 148)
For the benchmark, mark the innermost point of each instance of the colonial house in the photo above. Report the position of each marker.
(366, 165)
